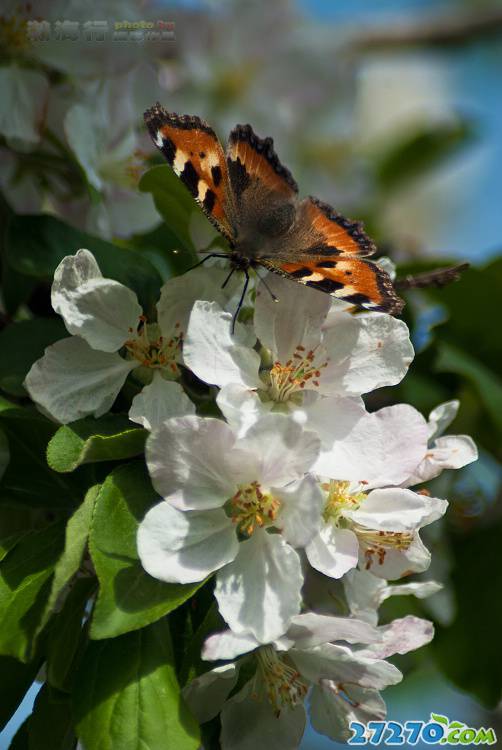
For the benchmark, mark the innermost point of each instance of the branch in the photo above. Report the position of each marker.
(437, 278)
(450, 30)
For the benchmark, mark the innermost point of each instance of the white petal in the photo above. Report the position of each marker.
(102, 311)
(241, 406)
(441, 418)
(366, 353)
(300, 512)
(24, 97)
(332, 709)
(227, 645)
(72, 380)
(396, 563)
(284, 450)
(448, 452)
(382, 448)
(333, 551)
(178, 295)
(71, 273)
(86, 138)
(188, 461)
(400, 637)
(248, 724)
(420, 589)
(364, 592)
(310, 629)
(260, 591)
(393, 509)
(180, 547)
(159, 401)
(296, 317)
(341, 664)
(206, 694)
(215, 354)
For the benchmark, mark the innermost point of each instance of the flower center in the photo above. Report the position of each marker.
(252, 507)
(377, 543)
(339, 499)
(284, 687)
(302, 371)
(152, 350)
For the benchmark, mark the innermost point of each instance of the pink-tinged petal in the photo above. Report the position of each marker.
(333, 707)
(310, 629)
(448, 452)
(400, 637)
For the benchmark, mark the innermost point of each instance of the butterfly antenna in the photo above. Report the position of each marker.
(241, 301)
(274, 297)
(210, 255)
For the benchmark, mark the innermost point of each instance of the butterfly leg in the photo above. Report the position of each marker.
(241, 301)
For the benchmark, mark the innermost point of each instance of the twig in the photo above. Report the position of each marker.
(437, 278)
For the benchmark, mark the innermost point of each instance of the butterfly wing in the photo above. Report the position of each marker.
(193, 150)
(328, 252)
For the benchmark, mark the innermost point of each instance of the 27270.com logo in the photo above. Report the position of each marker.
(438, 730)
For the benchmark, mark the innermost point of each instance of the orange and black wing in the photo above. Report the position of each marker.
(252, 162)
(328, 252)
(193, 150)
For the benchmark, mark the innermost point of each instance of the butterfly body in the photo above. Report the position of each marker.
(252, 199)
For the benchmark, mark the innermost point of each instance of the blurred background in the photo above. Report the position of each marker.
(389, 110)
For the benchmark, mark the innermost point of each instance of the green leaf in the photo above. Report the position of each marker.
(88, 440)
(24, 586)
(67, 634)
(50, 726)
(126, 695)
(128, 597)
(35, 245)
(9, 542)
(439, 718)
(470, 650)
(172, 200)
(421, 151)
(488, 385)
(15, 680)
(28, 433)
(21, 344)
(77, 532)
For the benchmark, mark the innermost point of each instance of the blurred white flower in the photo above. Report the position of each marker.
(225, 500)
(24, 94)
(343, 682)
(111, 337)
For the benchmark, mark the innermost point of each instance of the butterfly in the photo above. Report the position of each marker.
(252, 199)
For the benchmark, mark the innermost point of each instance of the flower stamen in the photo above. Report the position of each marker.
(252, 507)
(284, 687)
(152, 350)
(295, 374)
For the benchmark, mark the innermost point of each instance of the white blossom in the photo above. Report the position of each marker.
(342, 681)
(82, 375)
(302, 358)
(224, 500)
